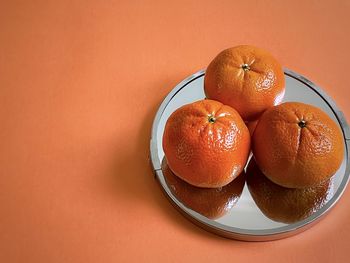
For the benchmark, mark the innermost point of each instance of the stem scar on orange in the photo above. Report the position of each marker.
(297, 145)
(206, 143)
(246, 78)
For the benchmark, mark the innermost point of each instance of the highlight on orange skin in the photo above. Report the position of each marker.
(212, 203)
(286, 205)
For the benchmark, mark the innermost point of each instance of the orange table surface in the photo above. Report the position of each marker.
(80, 83)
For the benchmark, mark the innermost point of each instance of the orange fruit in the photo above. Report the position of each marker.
(287, 205)
(206, 143)
(209, 202)
(297, 145)
(246, 78)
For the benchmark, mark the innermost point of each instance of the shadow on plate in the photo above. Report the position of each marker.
(212, 203)
(286, 205)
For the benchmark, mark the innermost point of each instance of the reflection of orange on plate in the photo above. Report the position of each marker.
(282, 204)
(209, 202)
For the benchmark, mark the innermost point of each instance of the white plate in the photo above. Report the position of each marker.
(244, 220)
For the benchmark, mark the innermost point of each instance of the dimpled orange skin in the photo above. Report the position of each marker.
(206, 143)
(287, 205)
(297, 145)
(210, 202)
(246, 78)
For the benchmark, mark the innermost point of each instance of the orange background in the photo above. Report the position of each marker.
(80, 82)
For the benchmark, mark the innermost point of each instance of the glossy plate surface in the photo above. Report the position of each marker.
(237, 215)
